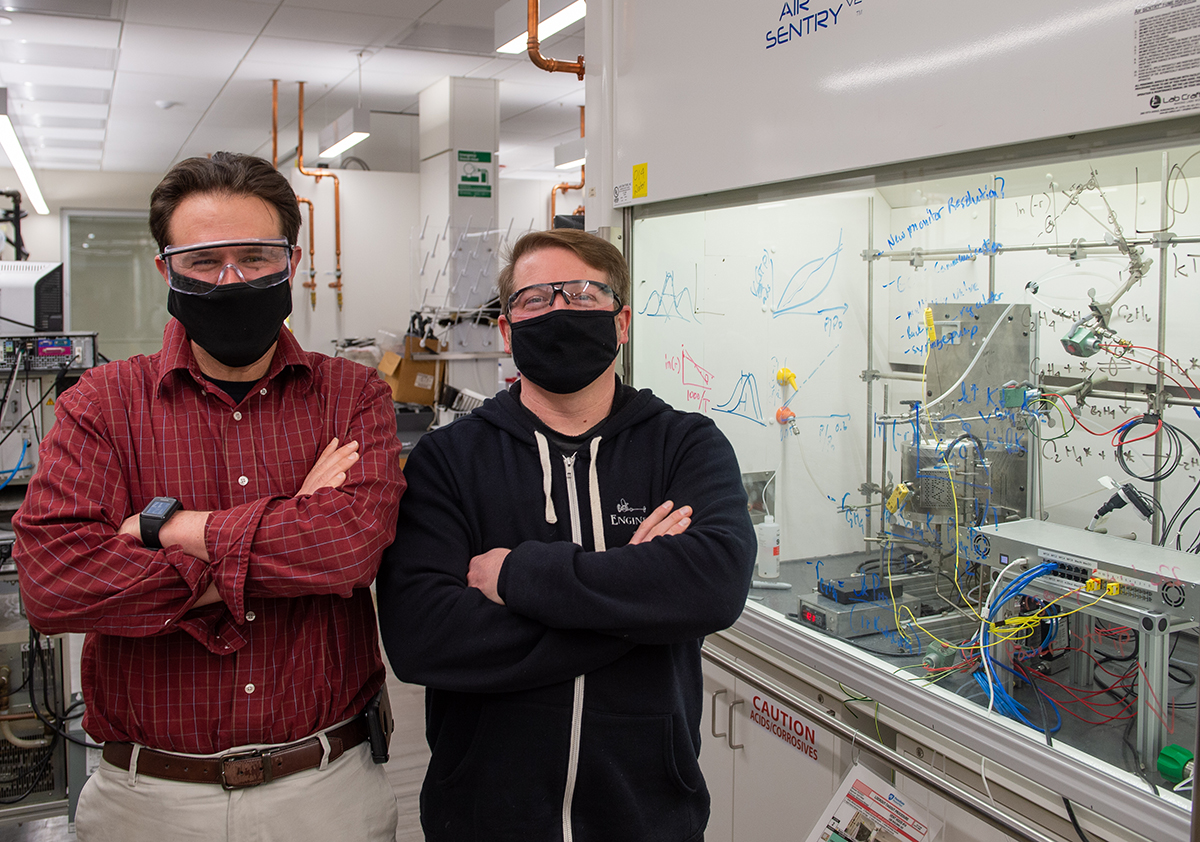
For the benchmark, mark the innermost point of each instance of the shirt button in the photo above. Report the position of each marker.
(249, 688)
(251, 616)
(262, 391)
(243, 480)
(237, 416)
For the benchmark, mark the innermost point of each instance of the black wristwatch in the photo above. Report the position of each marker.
(157, 512)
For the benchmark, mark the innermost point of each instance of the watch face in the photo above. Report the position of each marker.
(159, 507)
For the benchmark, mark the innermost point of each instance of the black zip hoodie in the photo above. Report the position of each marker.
(576, 705)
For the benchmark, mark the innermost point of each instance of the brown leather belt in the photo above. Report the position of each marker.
(243, 769)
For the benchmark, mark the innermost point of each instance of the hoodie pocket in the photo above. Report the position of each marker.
(634, 783)
(503, 781)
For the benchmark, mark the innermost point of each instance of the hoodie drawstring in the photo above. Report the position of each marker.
(594, 496)
(544, 457)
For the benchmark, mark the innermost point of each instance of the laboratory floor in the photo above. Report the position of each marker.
(406, 769)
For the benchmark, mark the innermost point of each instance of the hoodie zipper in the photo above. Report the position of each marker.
(577, 706)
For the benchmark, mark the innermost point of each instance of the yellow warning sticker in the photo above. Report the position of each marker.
(640, 188)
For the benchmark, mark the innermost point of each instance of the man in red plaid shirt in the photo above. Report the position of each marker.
(212, 516)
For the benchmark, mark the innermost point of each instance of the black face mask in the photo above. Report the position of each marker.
(565, 350)
(235, 323)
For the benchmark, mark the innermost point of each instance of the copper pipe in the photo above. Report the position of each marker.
(311, 283)
(535, 55)
(564, 187)
(337, 202)
(275, 123)
(17, 717)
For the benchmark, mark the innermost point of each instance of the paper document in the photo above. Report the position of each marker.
(866, 808)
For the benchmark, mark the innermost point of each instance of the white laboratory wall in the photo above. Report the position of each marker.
(525, 203)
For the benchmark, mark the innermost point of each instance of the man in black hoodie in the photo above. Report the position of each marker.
(559, 556)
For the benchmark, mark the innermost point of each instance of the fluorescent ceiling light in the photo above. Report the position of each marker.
(569, 155)
(351, 128)
(16, 157)
(557, 22)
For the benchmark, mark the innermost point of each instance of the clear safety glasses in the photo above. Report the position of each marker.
(581, 295)
(199, 269)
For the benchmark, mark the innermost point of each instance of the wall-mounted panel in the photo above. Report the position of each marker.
(711, 96)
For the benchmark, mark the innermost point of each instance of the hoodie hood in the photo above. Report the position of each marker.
(506, 412)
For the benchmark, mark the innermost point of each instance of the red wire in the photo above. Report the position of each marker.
(1158, 353)
(1113, 432)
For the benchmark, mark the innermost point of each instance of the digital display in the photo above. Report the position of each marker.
(159, 506)
(815, 618)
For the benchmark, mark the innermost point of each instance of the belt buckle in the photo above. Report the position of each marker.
(249, 768)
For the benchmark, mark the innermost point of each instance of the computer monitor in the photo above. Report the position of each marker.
(31, 297)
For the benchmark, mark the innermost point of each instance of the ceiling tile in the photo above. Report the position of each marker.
(447, 38)
(37, 122)
(206, 55)
(90, 8)
(241, 16)
(58, 93)
(51, 29)
(54, 145)
(40, 157)
(335, 26)
(142, 90)
(64, 110)
(63, 55)
(464, 12)
(76, 77)
(411, 9)
(51, 133)
(66, 164)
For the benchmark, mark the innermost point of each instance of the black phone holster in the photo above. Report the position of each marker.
(379, 723)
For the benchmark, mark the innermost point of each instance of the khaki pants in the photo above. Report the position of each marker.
(350, 799)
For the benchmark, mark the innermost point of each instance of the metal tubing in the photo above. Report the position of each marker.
(1156, 524)
(905, 255)
(275, 123)
(870, 425)
(992, 242)
(883, 452)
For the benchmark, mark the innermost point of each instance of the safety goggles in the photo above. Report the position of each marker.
(199, 269)
(580, 295)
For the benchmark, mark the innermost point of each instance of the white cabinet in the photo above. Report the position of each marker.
(769, 770)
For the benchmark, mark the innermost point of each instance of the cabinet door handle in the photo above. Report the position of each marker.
(729, 738)
(713, 724)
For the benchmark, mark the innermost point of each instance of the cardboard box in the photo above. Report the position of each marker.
(412, 381)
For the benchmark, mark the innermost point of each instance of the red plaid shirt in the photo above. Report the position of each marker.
(294, 647)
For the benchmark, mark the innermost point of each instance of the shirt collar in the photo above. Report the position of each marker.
(176, 355)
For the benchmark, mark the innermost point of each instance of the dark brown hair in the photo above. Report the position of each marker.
(226, 173)
(594, 251)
